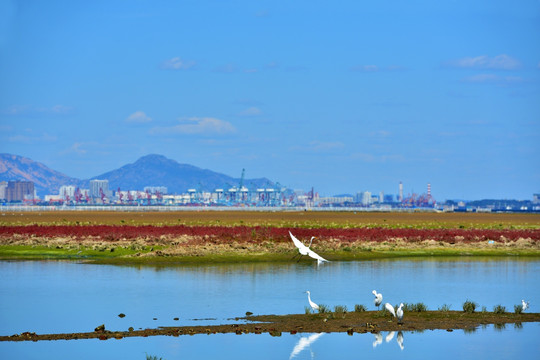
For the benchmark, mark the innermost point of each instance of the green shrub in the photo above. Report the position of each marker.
(307, 309)
(359, 308)
(445, 308)
(340, 309)
(518, 309)
(499, 309)
(469, 306)
(323, 309)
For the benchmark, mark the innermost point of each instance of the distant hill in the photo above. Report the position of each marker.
(157, 170)
(149, 170)
(46, 180)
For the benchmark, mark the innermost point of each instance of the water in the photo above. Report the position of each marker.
(56, 297)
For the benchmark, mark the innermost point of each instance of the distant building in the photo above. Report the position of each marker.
(156, 189)
(536, 199)
(19, 191)
(97, 187)
(67, 191)
(366, 198)
(3, 187)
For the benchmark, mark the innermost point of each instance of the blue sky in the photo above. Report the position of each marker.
(345, 97)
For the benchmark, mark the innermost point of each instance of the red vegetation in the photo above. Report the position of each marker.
(257, 234)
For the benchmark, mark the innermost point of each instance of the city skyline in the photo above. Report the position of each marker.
(340, 98)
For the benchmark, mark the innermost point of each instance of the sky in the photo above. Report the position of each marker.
(343, 97)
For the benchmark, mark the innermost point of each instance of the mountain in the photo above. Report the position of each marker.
(46, 180)
(157, 170)
(149, 170)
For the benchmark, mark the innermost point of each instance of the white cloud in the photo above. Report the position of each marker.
(176, 63)
(499, 62)
(76, 148)
(251, 111)
(32, 139)
(493, 79)
(31, 110)
(197, 125)
(138, 117)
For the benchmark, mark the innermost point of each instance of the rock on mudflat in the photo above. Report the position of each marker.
(100, 328)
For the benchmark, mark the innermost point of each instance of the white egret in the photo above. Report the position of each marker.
(311, 303)
(399, 313)
(390, 336)
(400, 340)
(524, 305)
(378, 298)
(378, 340)
(390, 309)
(303, 343)
(305, 250)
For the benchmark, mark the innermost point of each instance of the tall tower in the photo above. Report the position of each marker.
(429, 190)
(400, 191)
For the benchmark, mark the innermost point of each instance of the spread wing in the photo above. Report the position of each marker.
(297, 242)
(316, 256)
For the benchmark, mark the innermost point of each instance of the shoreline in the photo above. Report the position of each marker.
(276, 325)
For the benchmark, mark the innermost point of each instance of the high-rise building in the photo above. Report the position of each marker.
(67, 191)
(400, 198)
(3, 187)
(97, 187)
(19, 191)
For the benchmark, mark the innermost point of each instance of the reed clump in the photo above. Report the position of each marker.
(469, 306)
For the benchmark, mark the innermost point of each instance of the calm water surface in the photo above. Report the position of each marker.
(53, 297)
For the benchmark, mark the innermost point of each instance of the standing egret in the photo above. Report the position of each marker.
(399, 313)
(524, 305)
(311, 303)
(305, 250)
(390, 309)
(378, 299)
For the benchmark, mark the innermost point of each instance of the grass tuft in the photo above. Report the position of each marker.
(445, 308)
(518, 309)
(359, 308)
(499, 309)
(469, 306)
(323, 309)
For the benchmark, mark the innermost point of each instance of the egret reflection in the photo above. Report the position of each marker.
(303, 343)
(389, 337)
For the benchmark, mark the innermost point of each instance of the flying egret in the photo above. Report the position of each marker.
(390, 309)
(399, 313)
(400, 340)
(303, 343)
(524, 305)
(311, 303)
(305, 250)
(378, 299)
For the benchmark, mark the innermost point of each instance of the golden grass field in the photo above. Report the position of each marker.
(314, 219)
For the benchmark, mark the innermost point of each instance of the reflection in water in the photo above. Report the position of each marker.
(388, 338)
(400, 340)
(378, 340)
(304, 342)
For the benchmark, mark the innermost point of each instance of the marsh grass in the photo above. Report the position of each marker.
(340, 311)
(307, 310)
(444, 308)
(418, 307)
(469, 306)
(359, 308)
(499, 309)
(518, 309)
(323, 309)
